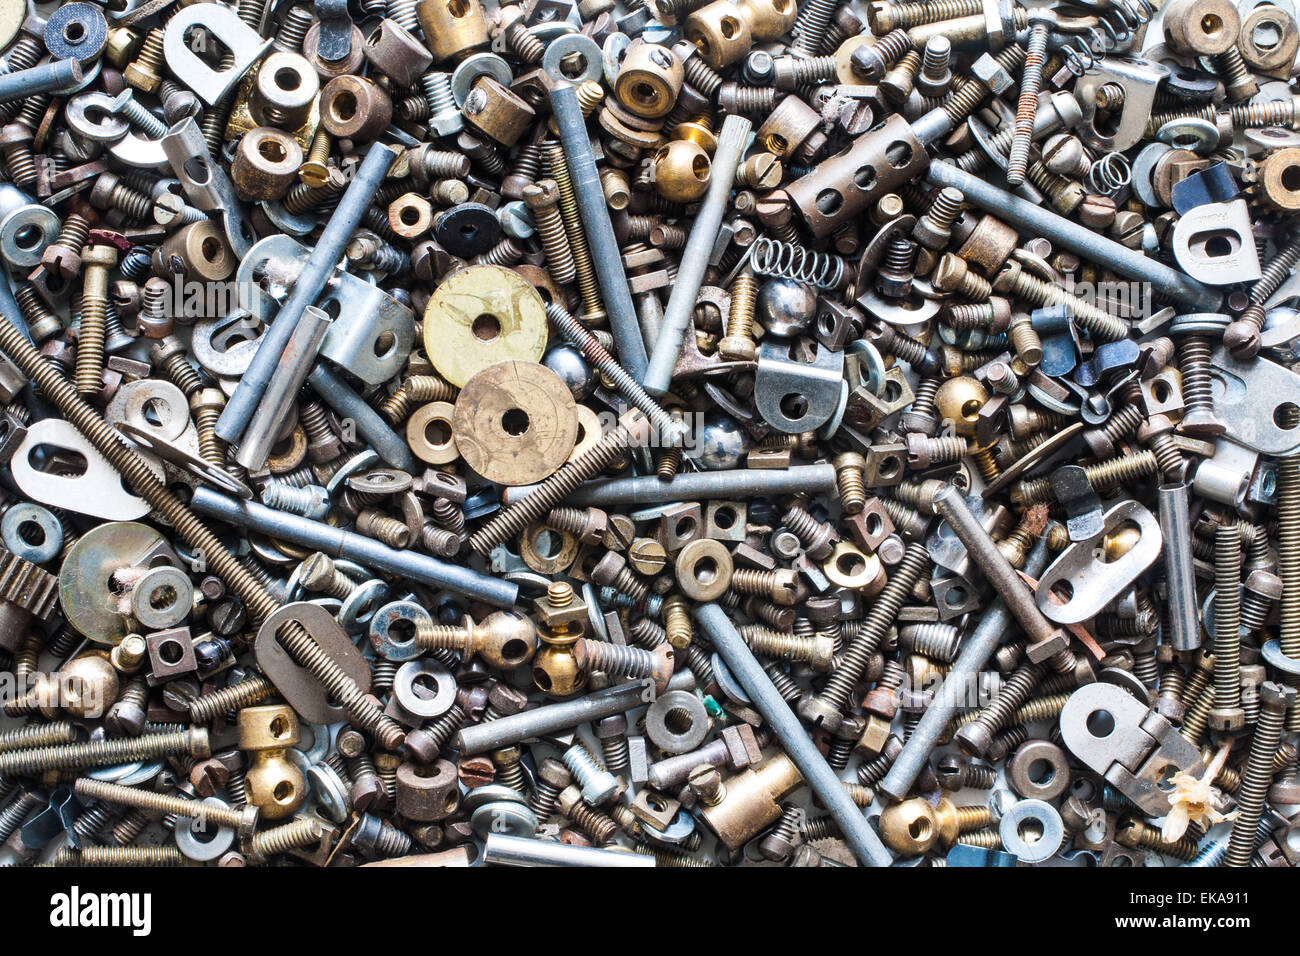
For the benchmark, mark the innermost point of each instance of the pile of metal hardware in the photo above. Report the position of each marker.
(671, 434)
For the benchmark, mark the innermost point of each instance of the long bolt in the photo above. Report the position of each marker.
(1275, 699)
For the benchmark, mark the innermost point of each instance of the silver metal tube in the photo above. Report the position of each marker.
(695, 256)
(52, 77)
(336, 393)
(503, 850)
(355, 547)
(550, 719)
(960, 679)
(691, 486)
(1034, 220)
(1180, 574)
(816, 772)
(298, 358)
(316, 271)
(606, 258)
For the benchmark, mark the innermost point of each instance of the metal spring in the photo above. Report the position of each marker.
(1115, 29)
(788, 261)
(1109, 173)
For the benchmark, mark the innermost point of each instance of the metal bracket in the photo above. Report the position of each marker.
(797, 385)
(296, 684)
(1134, 748)
(374, 332)
(1081, 583)
(97, 492)
(206, 184)
(1248, 398)
(1084, 519)
(1139, 79)
(245, 45)
(335, 38)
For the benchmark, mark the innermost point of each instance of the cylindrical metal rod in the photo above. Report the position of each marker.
(552, 718)
(355, 547)
(950, 504)
(1030, 219)
(316, 271)
(298, 358)
(692, 486)
(52, 77)
(695, 256)
(504, 850)
(1180, 574)
(338, 395)
(606, 257)
(975, 651)
(740, 660)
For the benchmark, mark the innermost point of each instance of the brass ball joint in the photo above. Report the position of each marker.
(272, 782)
(914, 826)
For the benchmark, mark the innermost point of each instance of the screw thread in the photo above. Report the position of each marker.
(588, 288)
(554, 238)
(210, 706)
(1255, 782)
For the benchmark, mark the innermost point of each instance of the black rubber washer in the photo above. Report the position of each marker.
(76, 31)
(469, 229)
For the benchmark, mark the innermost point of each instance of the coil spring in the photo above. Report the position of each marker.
(1109, 173)
(1115, 28)
(788, 261)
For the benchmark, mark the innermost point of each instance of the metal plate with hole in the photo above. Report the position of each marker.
(242, 43)
(207, 185)
(1080, 583)
(296, 684)
(90, 116)
(1252, 398)
(676, 722)
(1214, 243)
(797, 384)
(184, 454)
(515, 422)
(481, 315)
(24, 234)
(98, 491)
(424, 689)
(90, 605)
(224, 347)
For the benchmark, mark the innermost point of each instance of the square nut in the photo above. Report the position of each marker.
(725, 520)
(885, 464)
(987, 70)
(865, 409)
(12, 434)
(871, 525)
(171, 654)
(679, 525)
(1163, 394)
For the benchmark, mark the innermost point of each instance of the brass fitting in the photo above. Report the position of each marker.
(273, 783)
(752, 801)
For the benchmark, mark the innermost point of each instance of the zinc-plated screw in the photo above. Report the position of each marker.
(243, 820)
(193, 742)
